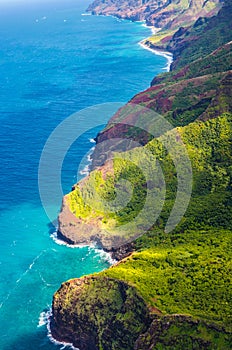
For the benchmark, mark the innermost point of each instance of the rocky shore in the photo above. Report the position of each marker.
(170, 291)
(160, 14)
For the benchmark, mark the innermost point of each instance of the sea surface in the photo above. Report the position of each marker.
(54, 61)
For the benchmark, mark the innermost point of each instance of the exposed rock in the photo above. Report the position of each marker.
(123, 251)
(98, 313)
(161, 14)
(103, 313)
(75, 230)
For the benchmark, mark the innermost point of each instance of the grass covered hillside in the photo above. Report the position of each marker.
(173, 291)
(209, 148)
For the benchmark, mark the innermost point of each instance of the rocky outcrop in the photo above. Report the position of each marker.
(98, 313)
(161, 14)
(75, 230)
(182, 96)
(101, 312)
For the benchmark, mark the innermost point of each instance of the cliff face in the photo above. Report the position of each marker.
(83, 306)
(186, 272)
(199, 90)
(161, 14)
(173, 295)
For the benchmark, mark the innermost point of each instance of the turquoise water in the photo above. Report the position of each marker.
(53, 62)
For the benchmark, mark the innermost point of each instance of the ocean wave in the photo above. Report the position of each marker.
(45, 320)
(105, 256)
(30, 266)
(85, 171)
(154, 30)
(59, 241)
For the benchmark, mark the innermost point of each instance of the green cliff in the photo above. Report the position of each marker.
(174, 290)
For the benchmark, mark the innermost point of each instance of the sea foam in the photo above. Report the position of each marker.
(44, 320)
(105, 256)
(165, 54)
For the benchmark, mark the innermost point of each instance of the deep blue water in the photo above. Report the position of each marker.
(53, 62)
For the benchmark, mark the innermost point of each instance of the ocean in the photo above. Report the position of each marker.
(54, 61)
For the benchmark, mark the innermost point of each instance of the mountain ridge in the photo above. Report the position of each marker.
(181, 280)
(161, 14)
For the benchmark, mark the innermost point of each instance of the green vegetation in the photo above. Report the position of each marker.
(83, 307)
(181, 332)
(206, 37)
(187, 273)
(184, 277)
(209, 148)
(218, 61)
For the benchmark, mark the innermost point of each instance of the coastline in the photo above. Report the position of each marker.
(112, 257)
(45, 320)
(123, 251)
(166, 54)
(190, 320)
(104, 254)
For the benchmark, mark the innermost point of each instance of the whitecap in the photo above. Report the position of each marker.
(154, 30)
(46, 317)
(59, 241)
(105, 256)
(166, 54)
(85, 171)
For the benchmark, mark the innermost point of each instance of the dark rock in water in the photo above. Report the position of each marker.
(123, 251)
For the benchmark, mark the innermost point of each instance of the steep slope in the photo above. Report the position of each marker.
(186, 92)
(180, 281)
(161, 14)
(87, 302)
(192, 43)
(185, 282)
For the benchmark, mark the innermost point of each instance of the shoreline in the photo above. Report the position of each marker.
(168, 55)
(45, 320)
(104, 254)
(85, 171)
(113, 258)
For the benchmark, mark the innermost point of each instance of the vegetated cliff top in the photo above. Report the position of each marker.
(161, 14)
(181, 281)
(202, 56)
